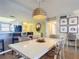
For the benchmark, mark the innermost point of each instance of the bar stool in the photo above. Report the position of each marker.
(2, 44)
(14, 40)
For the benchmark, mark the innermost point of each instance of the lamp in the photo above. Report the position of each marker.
(39, 13)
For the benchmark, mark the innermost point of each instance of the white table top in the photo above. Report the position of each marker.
(33, 49)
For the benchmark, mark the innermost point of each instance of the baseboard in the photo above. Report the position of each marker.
(5, 51)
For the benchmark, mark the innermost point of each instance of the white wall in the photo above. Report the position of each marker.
(21, 8)
(9, 8)
(60, 7)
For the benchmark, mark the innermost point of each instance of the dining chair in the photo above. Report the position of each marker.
(57, 52)
(21, 39)
(52, 54)
(36, 36)
(53, 36)
(60, 48)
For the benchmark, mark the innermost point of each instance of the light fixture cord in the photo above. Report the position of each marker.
(39, 3)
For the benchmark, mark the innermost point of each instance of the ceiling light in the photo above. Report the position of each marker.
(6, 20)
(39, 13)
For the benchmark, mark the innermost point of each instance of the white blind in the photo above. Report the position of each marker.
(5, 27)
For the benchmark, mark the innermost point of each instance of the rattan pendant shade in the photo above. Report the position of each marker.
(39, 14)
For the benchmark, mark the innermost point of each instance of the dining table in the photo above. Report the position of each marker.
(34, 49)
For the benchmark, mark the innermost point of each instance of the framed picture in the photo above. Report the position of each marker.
(73, 20)
(63, 29)
(63, 21)
(73, 29)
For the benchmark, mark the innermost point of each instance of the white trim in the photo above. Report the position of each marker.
(5, 51)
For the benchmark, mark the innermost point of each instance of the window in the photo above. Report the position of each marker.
(51, 28)
(5, 27)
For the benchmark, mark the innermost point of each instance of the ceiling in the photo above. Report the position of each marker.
(24, 8)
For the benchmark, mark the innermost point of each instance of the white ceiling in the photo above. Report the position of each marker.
(23, 8)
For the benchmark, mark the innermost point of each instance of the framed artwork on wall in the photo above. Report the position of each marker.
(63, 29)
(73, 29)
(63, 21)
(73, 20)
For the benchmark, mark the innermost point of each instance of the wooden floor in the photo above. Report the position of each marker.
(69, 54)
(8, 56)
(13, 56)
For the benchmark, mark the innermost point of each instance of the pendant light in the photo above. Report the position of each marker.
(39, 13)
